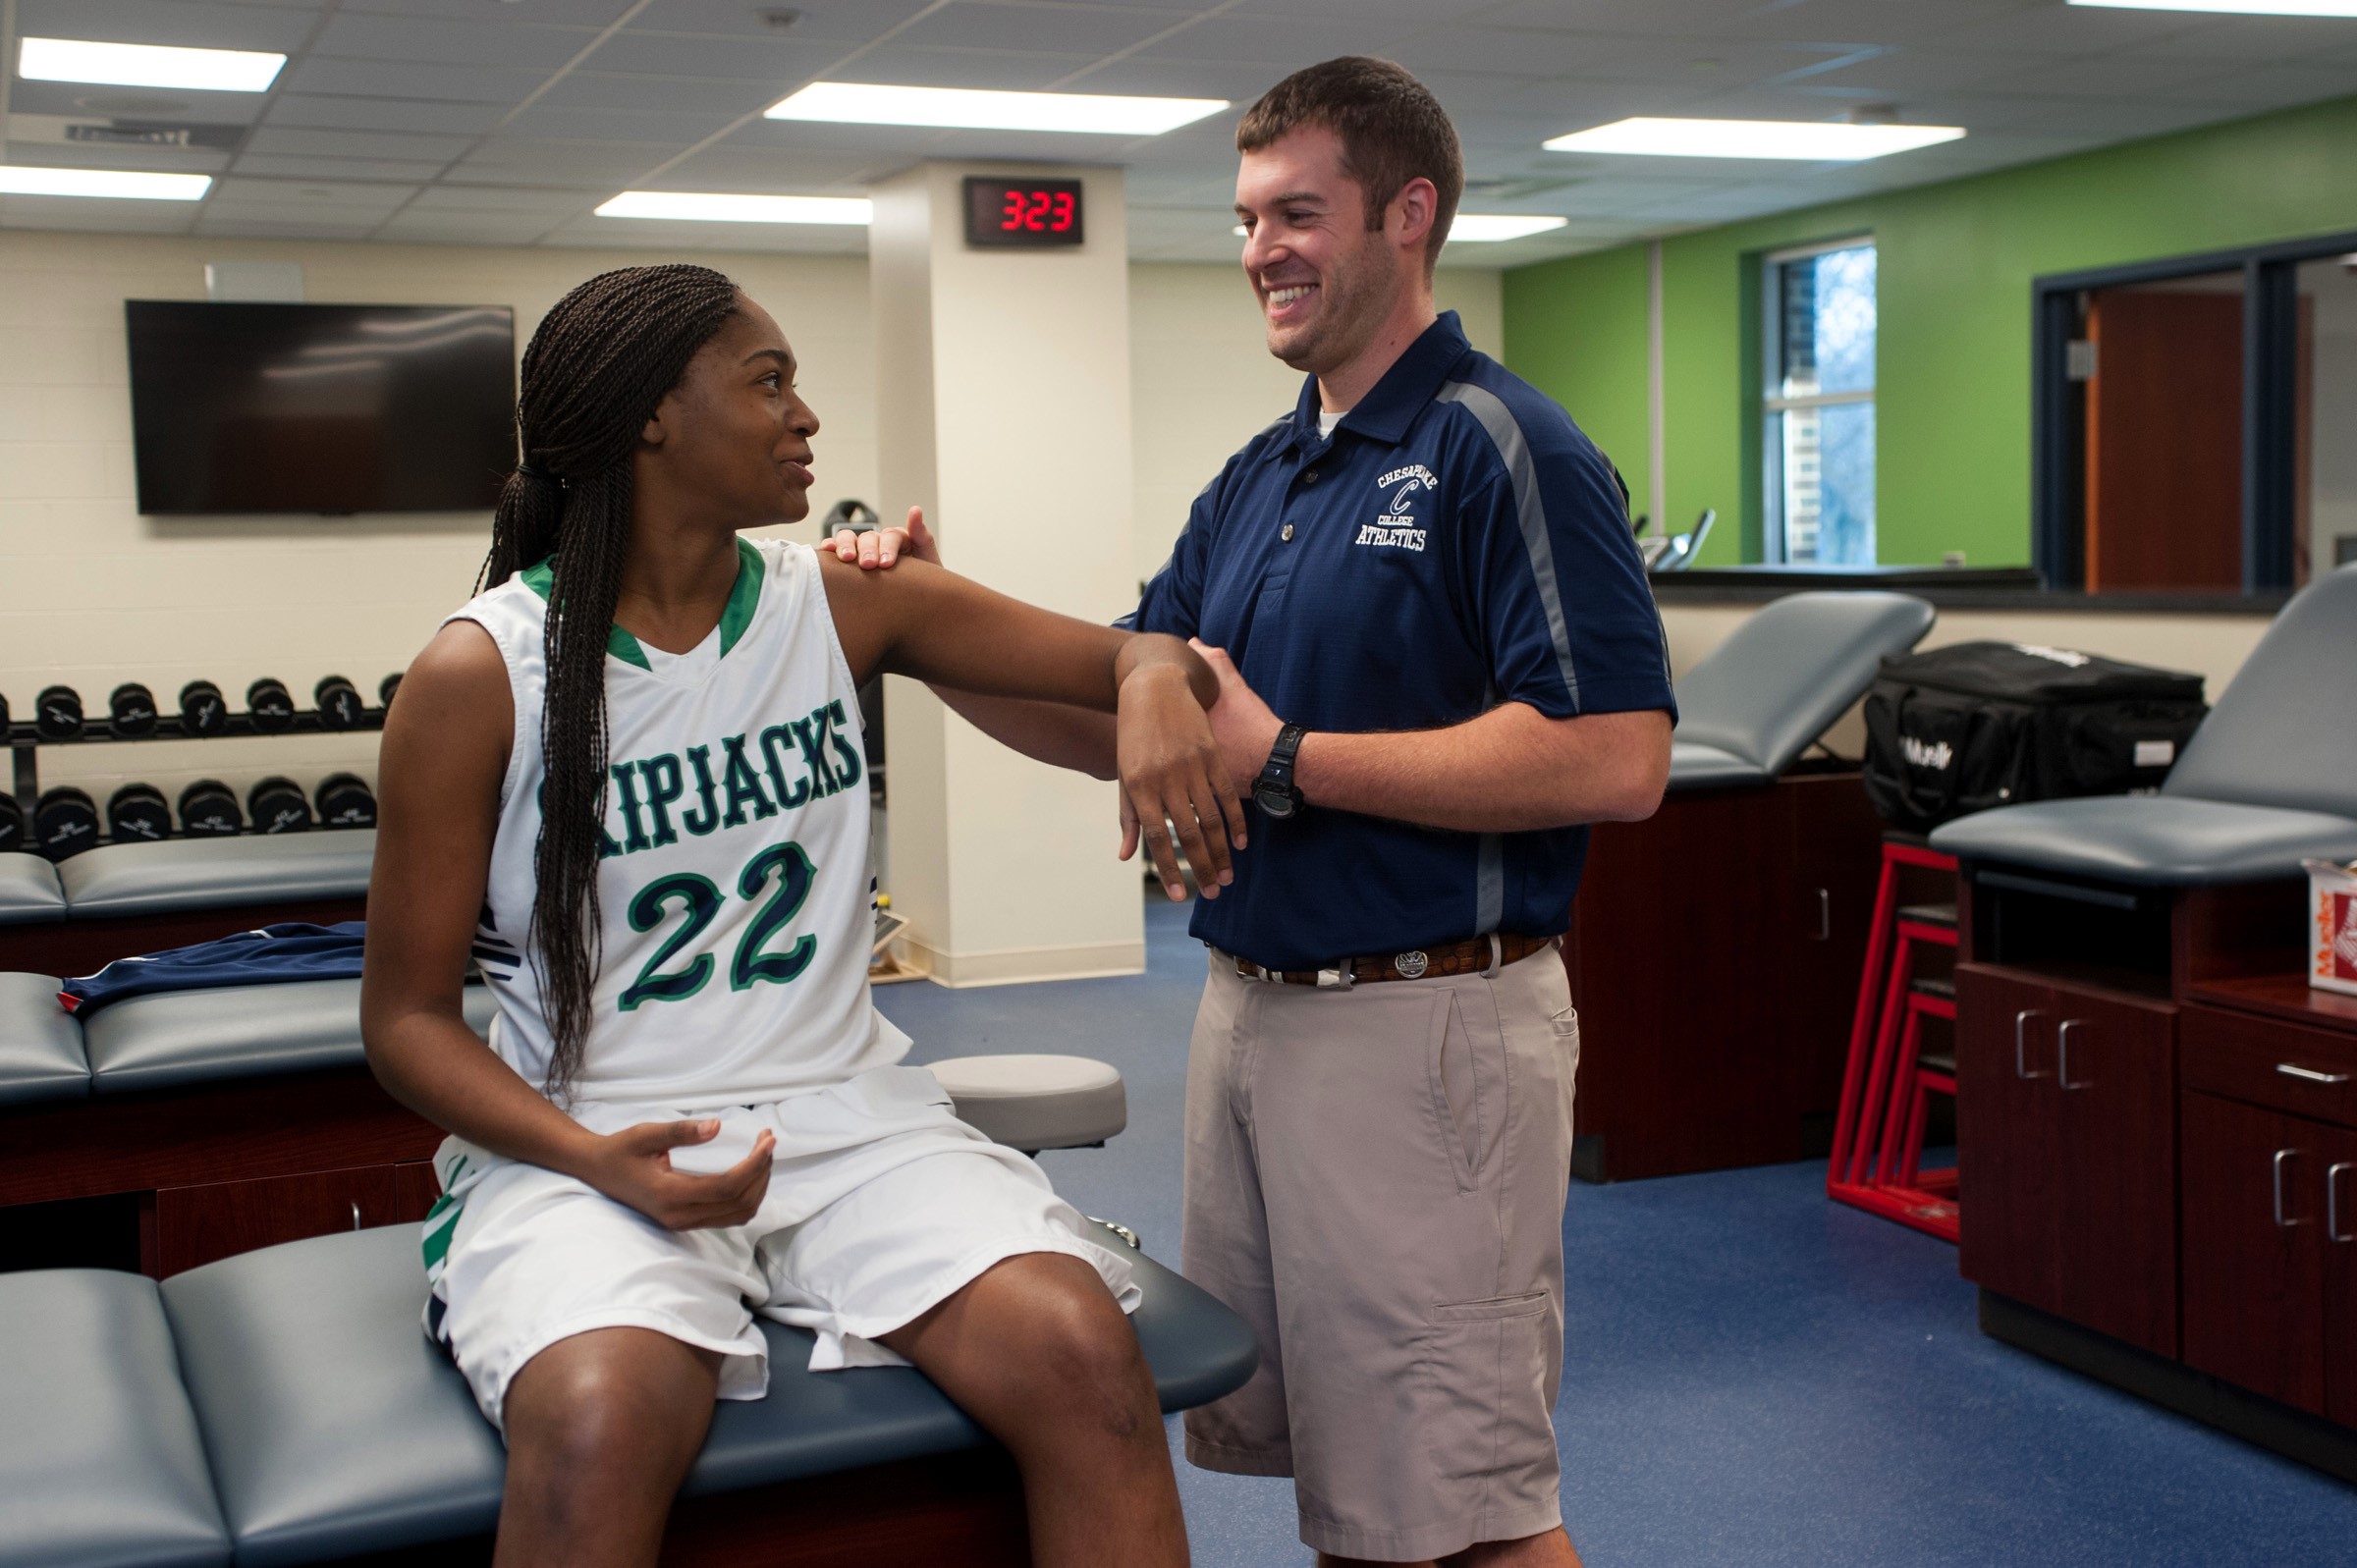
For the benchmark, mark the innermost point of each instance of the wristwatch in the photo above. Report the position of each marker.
(1273, 790)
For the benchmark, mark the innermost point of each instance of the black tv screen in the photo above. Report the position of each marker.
(324, 408)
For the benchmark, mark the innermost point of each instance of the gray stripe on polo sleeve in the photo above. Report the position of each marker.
(1514, 452)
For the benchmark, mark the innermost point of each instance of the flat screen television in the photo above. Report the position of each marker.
(320, 408)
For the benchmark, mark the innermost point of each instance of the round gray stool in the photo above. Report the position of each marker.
(1037, 1102)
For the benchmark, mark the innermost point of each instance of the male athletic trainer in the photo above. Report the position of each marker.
(1439, 657)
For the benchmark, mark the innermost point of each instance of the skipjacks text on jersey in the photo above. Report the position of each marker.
(803, 761)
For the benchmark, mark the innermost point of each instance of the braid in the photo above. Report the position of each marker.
(597, 366)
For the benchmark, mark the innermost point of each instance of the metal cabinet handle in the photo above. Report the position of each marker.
(2332, 1200)
(2021, 1020)
(356, 1214)
(2282, 1155)
(1824, 914)
(2062, 1055)
(2310, 1074)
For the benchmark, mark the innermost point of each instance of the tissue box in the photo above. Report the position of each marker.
(2332, 926)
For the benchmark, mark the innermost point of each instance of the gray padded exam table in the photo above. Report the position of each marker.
(2268, 779)
(1780, 680)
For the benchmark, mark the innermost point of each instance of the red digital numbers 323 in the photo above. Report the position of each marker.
(1037, 213)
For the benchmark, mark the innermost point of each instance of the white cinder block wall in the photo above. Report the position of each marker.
(92, 594)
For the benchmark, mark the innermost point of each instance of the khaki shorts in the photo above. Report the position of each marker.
(1375, 1179)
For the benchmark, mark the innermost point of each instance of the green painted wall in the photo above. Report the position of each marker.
(1955, 269)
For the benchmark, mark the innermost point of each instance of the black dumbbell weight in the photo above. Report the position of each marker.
(65, 822)
(345, 800)
(131, 711)
(384, 691)
(203, 711)
(338, 701)
(208, 809)
(137, 812)
(56, 713)
(15, 834)
(278, 805)
(270, 705)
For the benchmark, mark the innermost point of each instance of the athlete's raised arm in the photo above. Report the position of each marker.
(933, 626)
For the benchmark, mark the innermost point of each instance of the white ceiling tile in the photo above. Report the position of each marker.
(813, 239)
(1278, 46)
(2277, 84)
(2259, 38)
(2059, 30)
(281, 167)
(781, 170)
(278, 222)
(548, 121)
(360, 35)
(784, 60)
(599, 89)
(240, 189)
(2109, 76)
(500, 12)
(2107, 120)
(425, 115)
(827, 22)
(497, 198)
(83, 100)
(187, 23)
(1030, 24)
(444, 227)
(306, 141)
(383, 79)
(1010, 71)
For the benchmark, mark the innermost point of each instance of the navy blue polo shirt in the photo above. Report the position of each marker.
(1456, 543)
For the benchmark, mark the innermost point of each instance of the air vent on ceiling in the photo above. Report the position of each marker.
(156, 133)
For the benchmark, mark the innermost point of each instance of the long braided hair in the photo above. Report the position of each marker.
(597, 366)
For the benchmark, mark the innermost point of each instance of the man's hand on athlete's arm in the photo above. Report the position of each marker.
(1511, 770)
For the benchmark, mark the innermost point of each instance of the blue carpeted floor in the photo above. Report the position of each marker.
(1754, 1376)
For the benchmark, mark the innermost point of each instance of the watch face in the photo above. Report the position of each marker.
(1276, 802)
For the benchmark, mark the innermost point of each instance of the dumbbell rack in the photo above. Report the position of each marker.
(24, 740)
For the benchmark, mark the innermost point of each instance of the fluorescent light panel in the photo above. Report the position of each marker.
(692, 206)
(1814, 142)
(146, 64)
(117, 183)
(871, 104)
(2236, 8)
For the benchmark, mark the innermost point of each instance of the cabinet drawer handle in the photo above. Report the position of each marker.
(2021, 1021)
(2062, 1055)
(2282, 1155)
(1824, 914)
(356, 1214)
(2333, 1201)
(2310, 1074)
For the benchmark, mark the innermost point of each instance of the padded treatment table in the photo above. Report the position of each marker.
(335, 1428)
(1037, 1102)
(242, 1116)
(127, 898)
(28, 891)
(2269, 777)
(41, 1045)
(100, 1460)
(1715, 949)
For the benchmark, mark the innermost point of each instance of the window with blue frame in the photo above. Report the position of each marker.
(1818, 445)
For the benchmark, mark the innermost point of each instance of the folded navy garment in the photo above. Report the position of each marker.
(291, 950)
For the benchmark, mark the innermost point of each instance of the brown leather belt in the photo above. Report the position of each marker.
(1473, 955)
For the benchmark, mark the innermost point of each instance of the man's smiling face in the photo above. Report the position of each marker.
(1324, 279)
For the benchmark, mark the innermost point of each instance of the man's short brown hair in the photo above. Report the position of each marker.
(1393, 130)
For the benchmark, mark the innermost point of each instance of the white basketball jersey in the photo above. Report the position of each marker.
(733, 879)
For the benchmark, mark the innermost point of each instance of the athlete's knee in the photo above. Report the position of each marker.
(606, 1404)
(1078, 1351)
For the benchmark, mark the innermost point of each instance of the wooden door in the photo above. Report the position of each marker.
(2254, 1214)
(2009, 1159)
(2336, 1246)
(2116, 1096)
(197, 1225)
(2164, 442)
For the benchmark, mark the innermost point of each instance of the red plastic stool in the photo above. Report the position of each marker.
(1878, 1131)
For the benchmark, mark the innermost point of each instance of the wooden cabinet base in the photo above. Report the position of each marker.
(196, 1225)
(2254, 1418)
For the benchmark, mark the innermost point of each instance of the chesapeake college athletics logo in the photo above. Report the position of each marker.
(1395, 527)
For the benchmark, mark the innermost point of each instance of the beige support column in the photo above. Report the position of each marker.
(1003, 408)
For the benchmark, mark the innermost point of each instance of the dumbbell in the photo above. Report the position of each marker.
(65, 822)
(130, 710)
(203, 711)
(345, 800)
(56, 713)
(15, 834)
(384, 692)
(138, 811)
(270, 705)
(208, 809)
(338, 702)
(277, 805)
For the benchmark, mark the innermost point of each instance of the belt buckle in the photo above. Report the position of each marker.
(1411, 965)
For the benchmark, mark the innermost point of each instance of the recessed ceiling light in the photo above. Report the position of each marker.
(1481, 228)
(724, 207)
(869, 104)
(1810, 142)
(146, 64)
(2240, 8)
(120, 183)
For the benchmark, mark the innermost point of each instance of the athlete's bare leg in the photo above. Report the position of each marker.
(1038, 1353)
(601, 1430)
(1550, 1549)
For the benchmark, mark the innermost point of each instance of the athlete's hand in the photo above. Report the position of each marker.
(1246, 728)
(1170, 773)
(634, 1167)
(881, 548)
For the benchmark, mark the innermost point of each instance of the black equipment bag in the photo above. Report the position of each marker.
(1962, 729)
